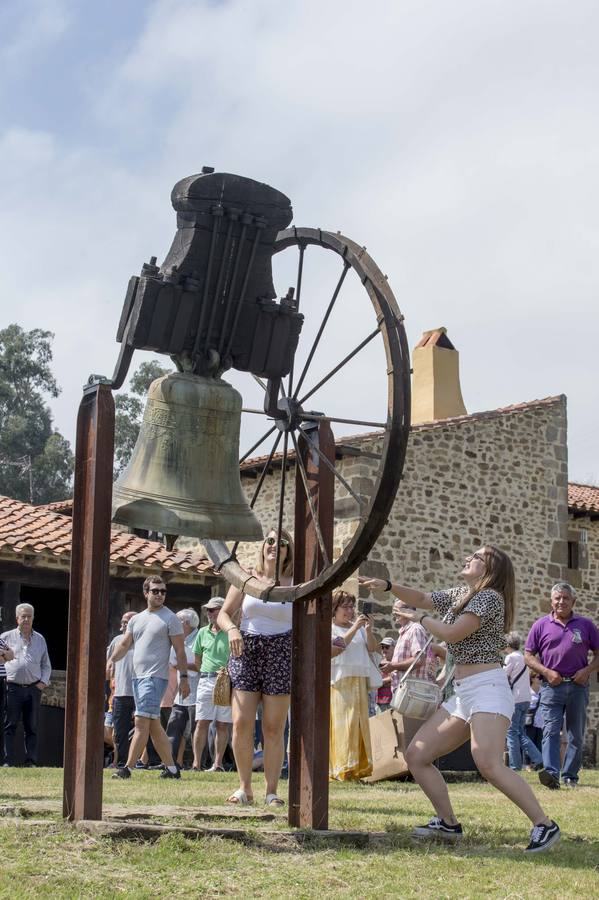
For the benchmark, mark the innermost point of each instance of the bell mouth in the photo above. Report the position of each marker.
(215, 521)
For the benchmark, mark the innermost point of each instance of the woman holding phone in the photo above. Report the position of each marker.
(353, 640)
(477, 616)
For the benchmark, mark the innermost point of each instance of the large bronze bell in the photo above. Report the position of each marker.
(183, 476)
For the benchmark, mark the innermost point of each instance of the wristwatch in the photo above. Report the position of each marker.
(183, 675)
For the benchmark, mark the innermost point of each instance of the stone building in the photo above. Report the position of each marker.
(35, 549)
(498, 477)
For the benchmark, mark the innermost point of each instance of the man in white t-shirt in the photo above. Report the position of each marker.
(183, 709)
(518, 675)
(152, 633)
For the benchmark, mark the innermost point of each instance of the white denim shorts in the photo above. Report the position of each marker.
(206, 711)
(487, 692)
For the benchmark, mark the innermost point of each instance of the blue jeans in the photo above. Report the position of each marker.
(570, 699)
(518, 741)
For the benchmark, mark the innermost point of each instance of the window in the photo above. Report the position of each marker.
(573, 555)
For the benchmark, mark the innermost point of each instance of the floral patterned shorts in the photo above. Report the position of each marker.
(264, 666)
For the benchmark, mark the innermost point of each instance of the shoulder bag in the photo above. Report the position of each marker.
(221, 692)
(417, 698)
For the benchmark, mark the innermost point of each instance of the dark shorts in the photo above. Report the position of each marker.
(264, 667)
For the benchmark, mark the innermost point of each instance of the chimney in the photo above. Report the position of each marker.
(436, 392)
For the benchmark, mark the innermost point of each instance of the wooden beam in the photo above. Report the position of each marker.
(88, 606)
(311, 663)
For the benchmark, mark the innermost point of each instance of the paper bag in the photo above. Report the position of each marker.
(388, 746)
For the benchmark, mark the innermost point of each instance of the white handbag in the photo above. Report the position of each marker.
(417, 698)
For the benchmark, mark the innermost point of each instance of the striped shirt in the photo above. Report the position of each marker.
(411, 638)
(31, 663)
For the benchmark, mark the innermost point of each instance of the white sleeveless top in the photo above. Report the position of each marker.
(258, 617)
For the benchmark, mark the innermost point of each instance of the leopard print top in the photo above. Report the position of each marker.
(486, 643)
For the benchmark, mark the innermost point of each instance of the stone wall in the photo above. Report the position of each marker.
(499, 477)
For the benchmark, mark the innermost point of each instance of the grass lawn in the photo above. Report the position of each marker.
(51, 859)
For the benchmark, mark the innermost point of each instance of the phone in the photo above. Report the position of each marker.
(367, 608)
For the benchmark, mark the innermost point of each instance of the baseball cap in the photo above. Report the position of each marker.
(388, 642)
(214, 603)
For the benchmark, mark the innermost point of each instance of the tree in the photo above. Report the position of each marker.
(129, 411)
(36, 463)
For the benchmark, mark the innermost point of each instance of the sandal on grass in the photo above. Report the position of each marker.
(240, 798)
(273, 800)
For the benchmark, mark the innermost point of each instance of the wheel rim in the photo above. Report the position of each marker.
(394, 433)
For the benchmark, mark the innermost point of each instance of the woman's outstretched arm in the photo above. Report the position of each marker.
(409, 596)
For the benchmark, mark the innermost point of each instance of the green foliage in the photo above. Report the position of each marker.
(33, 456)
(129, 410)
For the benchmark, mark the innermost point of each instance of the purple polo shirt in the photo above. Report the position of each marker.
(563, 648)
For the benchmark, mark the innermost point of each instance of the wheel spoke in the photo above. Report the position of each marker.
(346, 268)
(313, 512)
(257, 444)
(316, 417)
(340, 365)
(360, 500)
(259, 380)
(298, 293)
(263, 475)
(281, 506)
(254, 412)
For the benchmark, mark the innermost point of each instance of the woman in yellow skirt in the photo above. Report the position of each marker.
(350, 756)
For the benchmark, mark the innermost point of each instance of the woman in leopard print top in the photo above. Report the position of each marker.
(475, 620)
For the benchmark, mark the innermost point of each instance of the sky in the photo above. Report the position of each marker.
(457, 141)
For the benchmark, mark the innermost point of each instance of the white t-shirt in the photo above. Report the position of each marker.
(192, 677)
(258, 617)
(152, 633)
(514, 662)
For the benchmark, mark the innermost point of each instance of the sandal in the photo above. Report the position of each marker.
(273, 800)
(240, 798)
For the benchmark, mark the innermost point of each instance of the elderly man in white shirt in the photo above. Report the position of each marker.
(27, 674)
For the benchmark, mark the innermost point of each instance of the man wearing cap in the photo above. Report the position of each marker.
(558, 648)
(385, 692)
(211, 650)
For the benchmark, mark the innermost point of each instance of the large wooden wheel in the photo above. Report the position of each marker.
(382, 320)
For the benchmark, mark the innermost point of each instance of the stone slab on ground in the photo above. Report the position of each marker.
(282, 839)
(29, 808)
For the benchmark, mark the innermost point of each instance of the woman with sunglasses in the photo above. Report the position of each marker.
(350, 756)
(260, 670)
(476, 618)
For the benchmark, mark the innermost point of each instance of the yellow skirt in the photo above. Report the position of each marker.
(350, 756)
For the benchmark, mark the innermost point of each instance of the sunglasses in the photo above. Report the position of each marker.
(156, 591)
(271, 541)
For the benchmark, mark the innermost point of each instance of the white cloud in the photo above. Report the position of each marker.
(456, 140)
(40, 23)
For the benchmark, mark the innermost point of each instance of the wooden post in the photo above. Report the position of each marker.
(88, 606)
(311, 666)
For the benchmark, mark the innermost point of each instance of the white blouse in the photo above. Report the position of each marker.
(354, 660)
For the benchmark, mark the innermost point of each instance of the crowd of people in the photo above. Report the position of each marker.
(162, 670)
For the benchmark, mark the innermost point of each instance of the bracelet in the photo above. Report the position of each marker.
(230, 628)
(423, 616)
(388, 585)
(182, 674)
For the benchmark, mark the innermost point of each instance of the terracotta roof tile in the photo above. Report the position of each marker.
(583, 497)
(36, 530)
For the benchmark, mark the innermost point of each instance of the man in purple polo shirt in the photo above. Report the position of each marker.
(558, 648)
